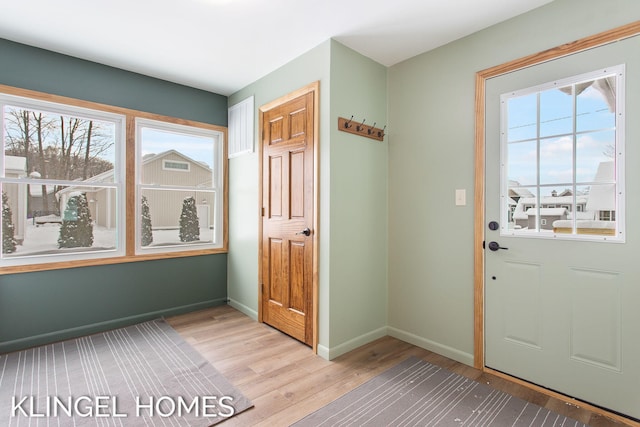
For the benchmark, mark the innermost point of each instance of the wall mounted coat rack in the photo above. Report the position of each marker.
(360, 128)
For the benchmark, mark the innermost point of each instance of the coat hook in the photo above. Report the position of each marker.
(359, 127)
(381, 132)
(370, 130)
(346, 124)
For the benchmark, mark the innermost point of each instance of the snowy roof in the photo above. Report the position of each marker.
(547, 211)
(516, 190)
(519, 214)
(602, 197)
(522, 192)
(146, 159)
(554, 200)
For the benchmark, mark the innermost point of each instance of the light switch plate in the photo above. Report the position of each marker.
(461, 197)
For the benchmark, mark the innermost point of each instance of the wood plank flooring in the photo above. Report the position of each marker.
(286, 381)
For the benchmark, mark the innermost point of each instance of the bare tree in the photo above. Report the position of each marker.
(87, 150)
(42, 126)
(18, 132)
(610, 151)
(58, 147)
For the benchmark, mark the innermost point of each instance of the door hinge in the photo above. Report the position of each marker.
(262, 211)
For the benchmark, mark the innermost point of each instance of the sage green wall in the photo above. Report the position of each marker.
(431, 153)
(46, 306)
(242, 265)
(353, 201)
(359, 208)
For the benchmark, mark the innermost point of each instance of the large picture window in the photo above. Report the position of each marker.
(89, 184)
(62, 182)
(179, 186)
(563, 158)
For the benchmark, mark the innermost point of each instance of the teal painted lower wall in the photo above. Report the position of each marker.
(41, 307)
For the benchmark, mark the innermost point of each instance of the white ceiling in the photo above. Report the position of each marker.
(224, 45)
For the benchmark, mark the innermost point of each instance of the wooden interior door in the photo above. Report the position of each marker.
(287, 252)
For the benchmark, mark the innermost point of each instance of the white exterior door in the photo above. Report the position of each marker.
(561, 304)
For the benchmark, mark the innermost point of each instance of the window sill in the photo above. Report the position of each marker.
(28, 268)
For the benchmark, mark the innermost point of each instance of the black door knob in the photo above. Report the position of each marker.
(306, 232)
(494, 246)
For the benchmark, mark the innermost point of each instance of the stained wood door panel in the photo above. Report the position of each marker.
(297, 291)
(296, 162)
(275, 182)
(287, 253)
(276, 279)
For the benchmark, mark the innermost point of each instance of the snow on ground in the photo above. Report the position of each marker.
(42, 238)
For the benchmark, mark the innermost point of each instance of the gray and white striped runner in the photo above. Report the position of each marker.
(417, 393)
(141, 375)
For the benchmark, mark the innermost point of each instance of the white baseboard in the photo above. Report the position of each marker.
(323, 352)
(352, 344)
(444, 350)
(243, 309)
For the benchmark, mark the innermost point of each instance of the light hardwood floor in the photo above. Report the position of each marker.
(286, 381)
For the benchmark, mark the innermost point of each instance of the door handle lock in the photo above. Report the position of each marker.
(306, 232)
(494, 246)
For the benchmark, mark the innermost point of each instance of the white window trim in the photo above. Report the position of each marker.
(119, 176)
(217, 185)
(619, 237)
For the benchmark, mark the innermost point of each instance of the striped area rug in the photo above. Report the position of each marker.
(141, 375)
(417, 393)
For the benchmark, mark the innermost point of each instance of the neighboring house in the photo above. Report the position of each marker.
(170, 168)
(547, 217)
(516, 191)
(595, 210)
(515, 194)
(551, 208)
(602, 200)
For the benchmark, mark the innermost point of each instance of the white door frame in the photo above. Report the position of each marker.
(591, 42)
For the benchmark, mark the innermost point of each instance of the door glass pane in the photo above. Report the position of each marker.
(556, 160)
(524, 214)
(522, 164)
(553, 207)
(595, 157)
(556, 111)
(522, 117)
(596, 104)
(563, 178)
(601, 211)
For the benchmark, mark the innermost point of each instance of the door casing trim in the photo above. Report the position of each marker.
(315, 89)
(587, 43)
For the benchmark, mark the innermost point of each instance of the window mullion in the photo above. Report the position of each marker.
(538, 168)
(574, 171)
